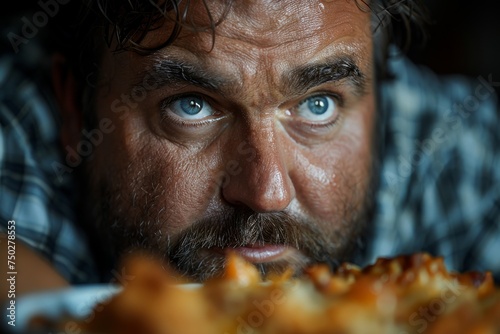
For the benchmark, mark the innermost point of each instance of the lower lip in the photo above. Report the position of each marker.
(259, 254)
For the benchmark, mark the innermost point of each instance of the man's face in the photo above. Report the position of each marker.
(257, 141)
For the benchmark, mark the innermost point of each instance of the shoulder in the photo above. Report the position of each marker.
(34, 195)
(439, 179)
(432, 121)
(430, 116)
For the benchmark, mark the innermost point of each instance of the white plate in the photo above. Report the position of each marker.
(76, 301)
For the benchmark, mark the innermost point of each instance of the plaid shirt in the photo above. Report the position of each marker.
(439, 190)
(440, 175)
(31, 194)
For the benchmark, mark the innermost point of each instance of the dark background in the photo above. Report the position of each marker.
(463, 38)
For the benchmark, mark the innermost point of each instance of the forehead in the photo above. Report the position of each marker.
(263, 25)
(255, 44)
(271, 22)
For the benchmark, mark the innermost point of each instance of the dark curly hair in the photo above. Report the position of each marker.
(90, 25)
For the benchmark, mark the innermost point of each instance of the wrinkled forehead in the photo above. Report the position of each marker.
(267, 23)
(290, 20)
(264, 18)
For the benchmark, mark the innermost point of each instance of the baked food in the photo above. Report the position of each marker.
(406, 294)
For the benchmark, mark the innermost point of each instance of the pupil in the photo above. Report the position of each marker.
(192, 106)
(318, 105)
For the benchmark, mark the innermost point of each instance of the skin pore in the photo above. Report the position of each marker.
(258, 141)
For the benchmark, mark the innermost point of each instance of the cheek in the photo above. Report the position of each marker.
(150, 178)
(332, 181)
(329, 188)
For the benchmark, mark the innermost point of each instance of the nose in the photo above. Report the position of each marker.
(261, 179)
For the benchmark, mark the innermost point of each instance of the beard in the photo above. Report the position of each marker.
(136, 223)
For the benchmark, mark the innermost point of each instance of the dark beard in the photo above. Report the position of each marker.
(189, 252)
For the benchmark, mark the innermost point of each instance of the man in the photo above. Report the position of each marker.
(270, 129)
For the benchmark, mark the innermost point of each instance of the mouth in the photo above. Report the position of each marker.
(258, 253)
(268, 258)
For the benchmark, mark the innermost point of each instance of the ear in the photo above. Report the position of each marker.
(67, 97)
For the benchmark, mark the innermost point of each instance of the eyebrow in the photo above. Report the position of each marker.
(174, 72)
(301, 79)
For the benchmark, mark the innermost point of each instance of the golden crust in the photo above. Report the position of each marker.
(405, 294)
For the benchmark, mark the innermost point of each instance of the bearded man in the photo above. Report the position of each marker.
(289, 132)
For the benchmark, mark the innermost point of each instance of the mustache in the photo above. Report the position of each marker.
(240, 229)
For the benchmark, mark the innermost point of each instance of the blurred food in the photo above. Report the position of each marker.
(406, 294)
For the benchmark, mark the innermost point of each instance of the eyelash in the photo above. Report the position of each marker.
(166, 116)
(328, 125)
(338, 97)
(339, 100)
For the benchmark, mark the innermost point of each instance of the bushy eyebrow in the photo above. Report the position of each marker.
(303, 78)
(175, 72)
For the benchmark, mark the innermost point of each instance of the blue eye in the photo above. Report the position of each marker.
(317, 108)
(190, 107)
(318, 105)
